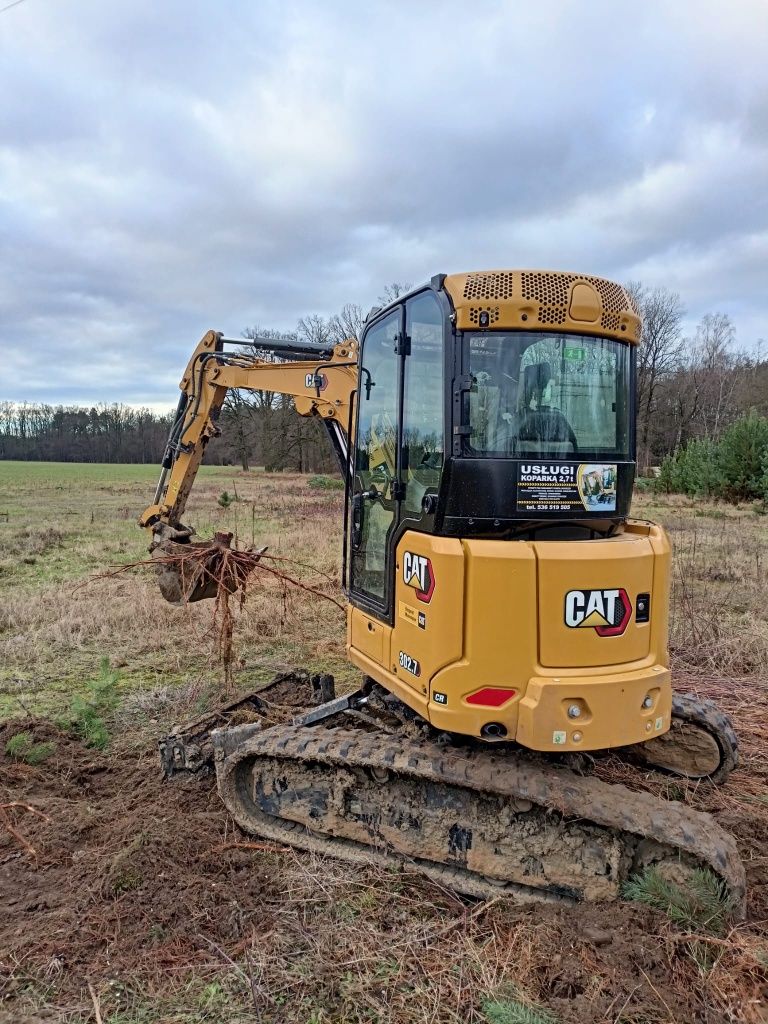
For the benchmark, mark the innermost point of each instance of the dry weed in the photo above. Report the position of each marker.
(719, 621)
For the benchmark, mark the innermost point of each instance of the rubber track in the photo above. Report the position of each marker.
(587, 799)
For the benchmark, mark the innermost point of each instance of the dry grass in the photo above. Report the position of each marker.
(53, 630)
(719, 600)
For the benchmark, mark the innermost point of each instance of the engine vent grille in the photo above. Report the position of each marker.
(543, 296)
(488, 286)
(613, 295)
(548, 289)
(551, 314)
(551, 291)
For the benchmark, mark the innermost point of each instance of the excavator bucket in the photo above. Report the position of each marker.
(189, 571)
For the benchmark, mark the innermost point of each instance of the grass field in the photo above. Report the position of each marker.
(141, 905)
(61, 524)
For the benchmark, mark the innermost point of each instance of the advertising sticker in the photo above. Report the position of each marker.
(566, 487)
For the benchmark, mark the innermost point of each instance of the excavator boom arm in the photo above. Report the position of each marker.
(321, 383)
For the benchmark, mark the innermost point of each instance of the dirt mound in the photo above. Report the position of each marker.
(145, 892)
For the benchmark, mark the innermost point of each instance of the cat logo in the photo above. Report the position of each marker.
(606, 611)
(417, 573)
(318, 381)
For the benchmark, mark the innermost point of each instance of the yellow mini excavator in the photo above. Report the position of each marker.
(506, 614)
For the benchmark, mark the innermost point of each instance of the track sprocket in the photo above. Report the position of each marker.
(701, 744)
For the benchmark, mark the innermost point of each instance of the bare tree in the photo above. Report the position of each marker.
(348, 323)
(752, 392)
(241, 423)
(255, 414)
(393, 291)
(660, 350)
(717, 370)
(710, 388)
(314, 329)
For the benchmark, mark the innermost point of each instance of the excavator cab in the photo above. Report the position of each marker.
(496, 583)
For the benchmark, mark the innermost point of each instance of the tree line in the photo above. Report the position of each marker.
(105, 433)
(689, 388)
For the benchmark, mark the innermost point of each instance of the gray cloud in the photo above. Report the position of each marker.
(169, 168)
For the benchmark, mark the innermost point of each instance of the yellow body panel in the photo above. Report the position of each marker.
(493, 614)
(612, 712)
(622, 562)
(429, 631)
(543, 300)
(368, 635)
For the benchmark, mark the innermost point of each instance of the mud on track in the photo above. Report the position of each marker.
(140, 888)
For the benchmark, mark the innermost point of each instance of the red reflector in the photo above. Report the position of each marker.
(490, 696)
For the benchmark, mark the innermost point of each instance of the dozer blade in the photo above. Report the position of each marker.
(480, 822)
(188, 748)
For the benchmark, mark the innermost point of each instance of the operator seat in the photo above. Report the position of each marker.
(540, 428)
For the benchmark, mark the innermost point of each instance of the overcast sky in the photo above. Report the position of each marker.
(167, 166)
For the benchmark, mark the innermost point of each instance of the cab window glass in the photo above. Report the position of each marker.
(375, 457)
(423, 401)
(551, 395)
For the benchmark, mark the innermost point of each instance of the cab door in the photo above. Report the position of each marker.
(375, 491)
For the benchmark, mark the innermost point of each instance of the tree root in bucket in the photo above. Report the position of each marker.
(190, 571)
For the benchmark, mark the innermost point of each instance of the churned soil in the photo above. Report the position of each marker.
(124, 891)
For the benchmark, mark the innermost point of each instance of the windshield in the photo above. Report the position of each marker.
(547, 394)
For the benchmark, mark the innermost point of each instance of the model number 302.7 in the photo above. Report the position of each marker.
(409, 664)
